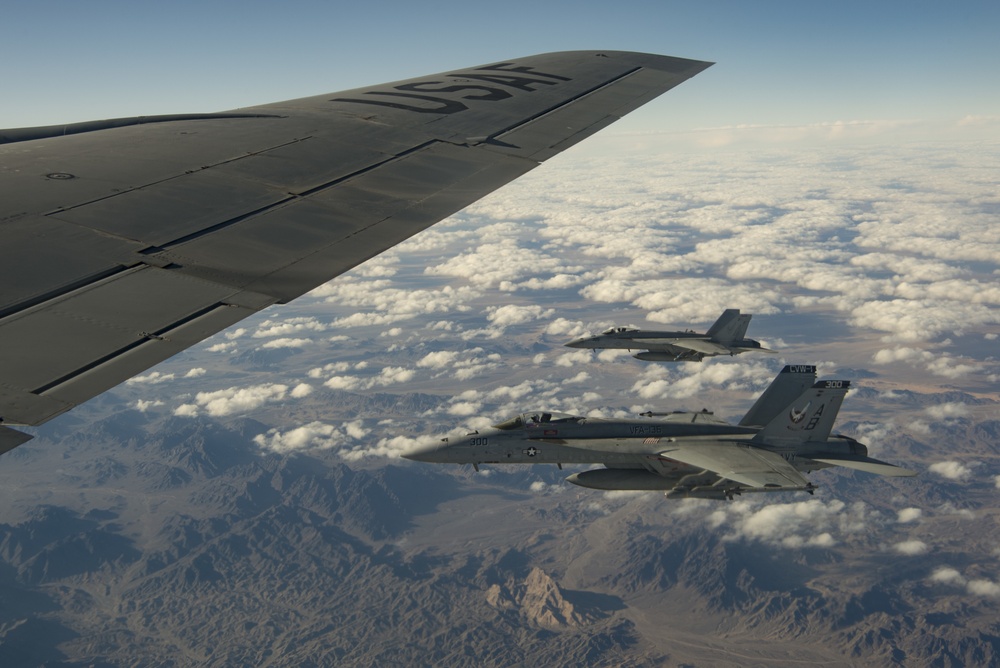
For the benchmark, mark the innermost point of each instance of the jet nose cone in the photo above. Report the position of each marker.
(577, 343)
(424, 453)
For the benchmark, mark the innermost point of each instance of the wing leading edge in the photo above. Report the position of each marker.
(128, 241)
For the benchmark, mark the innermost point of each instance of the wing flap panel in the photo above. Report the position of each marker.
(746, 465)
(290, 250)
(174, 208)
(147, 353)
(52, 258)
(94, 326)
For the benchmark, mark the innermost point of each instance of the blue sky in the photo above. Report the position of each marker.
(778, 62)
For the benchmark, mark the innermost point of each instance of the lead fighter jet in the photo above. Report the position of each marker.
(125, 241)
(785, 434)
(725, 337)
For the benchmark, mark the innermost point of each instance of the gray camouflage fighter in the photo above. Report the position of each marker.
(786, 433)
(724, 337)
(126, 241)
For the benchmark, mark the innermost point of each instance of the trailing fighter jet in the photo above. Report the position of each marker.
(785, 434)
(725, 337)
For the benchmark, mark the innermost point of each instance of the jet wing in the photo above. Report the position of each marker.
(704, 346)
(749, 466)
(126, 241)
(868, 465)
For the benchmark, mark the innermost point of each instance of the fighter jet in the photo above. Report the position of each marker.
(785, 434)
(725, 337)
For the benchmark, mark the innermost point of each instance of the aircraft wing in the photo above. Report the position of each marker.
(704, 346)
(126, 241)
(749, 466)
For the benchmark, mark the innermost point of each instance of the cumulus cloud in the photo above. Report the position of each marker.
(975, 587)
(381, 303)
(947, 575)
(153, 378)
(688, 380)
(540, 487)
(390, 447)
(684, 301)
(983, 587)
(911, 547)
(232, 400)
(512, 314)
(901, 354)
(463, 408)
(571, 329)
(811, 523)
(289, 326)
(952, 470)
(312, 436)
(952, 409)
(143, 406)
(437, 360)
(508, 265)
(947, 366)
(286, 342)
(301, 390)
(573, 359)
(390, 375)
(347, 383)
(908, 515)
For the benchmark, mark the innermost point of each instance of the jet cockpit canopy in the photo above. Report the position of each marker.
(619, 330)
(539, 418)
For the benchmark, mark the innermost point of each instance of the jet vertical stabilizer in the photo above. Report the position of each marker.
(809, 418)
(789, 385)
(730, 328)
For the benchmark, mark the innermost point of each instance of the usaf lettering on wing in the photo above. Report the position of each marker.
(505, 74)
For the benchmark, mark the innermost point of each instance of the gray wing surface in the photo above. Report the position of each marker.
(127, 241)
(746, 465)
(704, 346)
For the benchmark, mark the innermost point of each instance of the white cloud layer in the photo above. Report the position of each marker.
(812, 523)
(232, 400)
(952, 470)
(312, 436)
(974, 587)
(911, 548)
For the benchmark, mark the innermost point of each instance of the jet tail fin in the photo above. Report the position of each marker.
(787, 386)
(730, 328)
(810, 417)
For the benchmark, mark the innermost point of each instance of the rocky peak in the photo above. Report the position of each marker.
(538, 598)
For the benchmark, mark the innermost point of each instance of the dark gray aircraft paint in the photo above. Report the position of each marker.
(786, 433)
(127, 241)
(727, 336)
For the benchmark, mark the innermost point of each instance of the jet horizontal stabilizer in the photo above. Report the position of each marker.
(868, 465)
